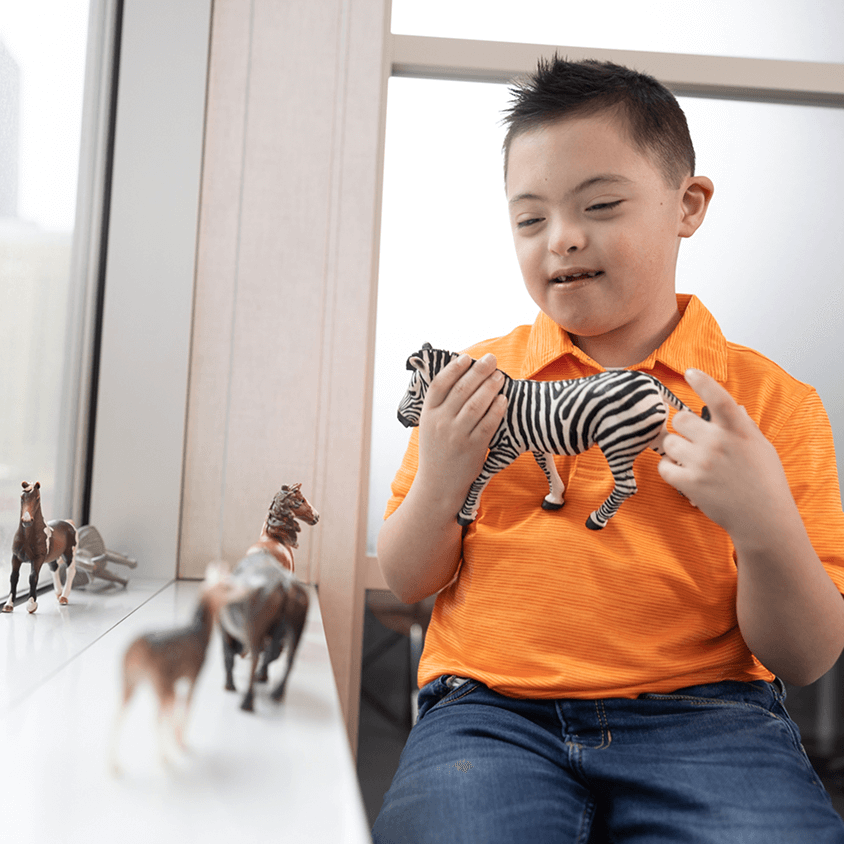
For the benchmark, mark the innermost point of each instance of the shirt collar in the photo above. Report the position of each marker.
(696, 341)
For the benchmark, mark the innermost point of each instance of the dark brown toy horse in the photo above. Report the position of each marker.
(271, 615)
(37, 542)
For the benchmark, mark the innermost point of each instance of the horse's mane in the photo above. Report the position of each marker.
(281, 523)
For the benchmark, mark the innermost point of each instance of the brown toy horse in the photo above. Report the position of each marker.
(165, 657)
(273, 610)
(37, 542)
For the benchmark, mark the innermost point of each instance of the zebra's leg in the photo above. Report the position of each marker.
(656, 442)
(554, 500)
(496, 460)
(625, 486)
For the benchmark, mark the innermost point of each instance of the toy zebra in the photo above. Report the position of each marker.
(624, 412)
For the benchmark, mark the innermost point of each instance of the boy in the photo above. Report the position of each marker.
(619, 685)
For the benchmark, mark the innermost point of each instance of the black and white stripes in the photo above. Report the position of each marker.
(623, 412)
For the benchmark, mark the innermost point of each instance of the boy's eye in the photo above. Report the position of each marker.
(523, 224)
(605, 206)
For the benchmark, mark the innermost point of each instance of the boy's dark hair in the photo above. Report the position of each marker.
(561, 89)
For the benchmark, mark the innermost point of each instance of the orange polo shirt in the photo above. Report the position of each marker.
(542, 607)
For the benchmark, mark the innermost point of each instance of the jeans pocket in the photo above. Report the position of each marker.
(443, 690)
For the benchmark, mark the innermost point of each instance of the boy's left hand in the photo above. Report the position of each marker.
(726, 466)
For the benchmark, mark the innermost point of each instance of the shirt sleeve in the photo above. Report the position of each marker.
(807, 451)
(405, 474)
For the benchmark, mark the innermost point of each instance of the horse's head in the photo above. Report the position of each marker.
(30, 502)
(424, 365)
(299, 506)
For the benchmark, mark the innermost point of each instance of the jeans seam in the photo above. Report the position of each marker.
(586, 821)
(606, 736)
(713, 701)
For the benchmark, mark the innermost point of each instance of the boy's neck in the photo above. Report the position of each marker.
(616, 349)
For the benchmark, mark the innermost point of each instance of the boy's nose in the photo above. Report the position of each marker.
(566, 239)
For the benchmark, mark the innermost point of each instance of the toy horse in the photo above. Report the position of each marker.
(164, 657)
(37, 542)
(622, 411)
(272, 613)
(278, 534)
(92, 557)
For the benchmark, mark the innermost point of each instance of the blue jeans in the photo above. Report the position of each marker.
(712, 764)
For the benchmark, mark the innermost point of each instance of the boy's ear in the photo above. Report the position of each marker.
(697, 193)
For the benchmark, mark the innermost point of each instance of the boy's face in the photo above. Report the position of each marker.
(597, 229)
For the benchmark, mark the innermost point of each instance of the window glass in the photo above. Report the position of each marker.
(42, 69)
(773, 29)
(766, 261)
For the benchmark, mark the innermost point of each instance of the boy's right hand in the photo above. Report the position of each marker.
(462, 411)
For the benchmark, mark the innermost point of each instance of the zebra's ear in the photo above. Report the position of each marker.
(416, 362)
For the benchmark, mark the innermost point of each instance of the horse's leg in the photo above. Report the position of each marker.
(32, 604)
(70, 558)
(13, 584)
(230, 647)
(167, 703)
(297, 611)
(180, 725)
(129, 684)
(248, 704)
(105, 574)
(271, 653)
(261, 676)
(57, 581)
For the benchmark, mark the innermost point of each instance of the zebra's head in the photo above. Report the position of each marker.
(424, 365)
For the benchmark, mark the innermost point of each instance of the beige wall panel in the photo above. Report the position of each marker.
(349, 353)
(201, 531)
(284, 327)
(279, 309)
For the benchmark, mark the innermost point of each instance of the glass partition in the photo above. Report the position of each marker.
(43, 47)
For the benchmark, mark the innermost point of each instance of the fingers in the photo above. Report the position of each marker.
(467, 390)
(446, 379)
(677, 449)
(721, 406)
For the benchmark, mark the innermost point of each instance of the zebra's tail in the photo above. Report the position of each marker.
(671, 398)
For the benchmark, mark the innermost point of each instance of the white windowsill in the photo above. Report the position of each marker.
(284, 773)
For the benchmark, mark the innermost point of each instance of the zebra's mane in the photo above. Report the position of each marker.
(436, 358)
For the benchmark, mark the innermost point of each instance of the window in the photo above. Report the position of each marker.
(765, 261)
(43, 50)
(762, 29)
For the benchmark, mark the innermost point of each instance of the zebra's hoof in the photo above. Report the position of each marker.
(463, 521)
(593, 525)
(550, 505)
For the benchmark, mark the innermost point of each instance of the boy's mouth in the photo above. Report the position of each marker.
(578, 276)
